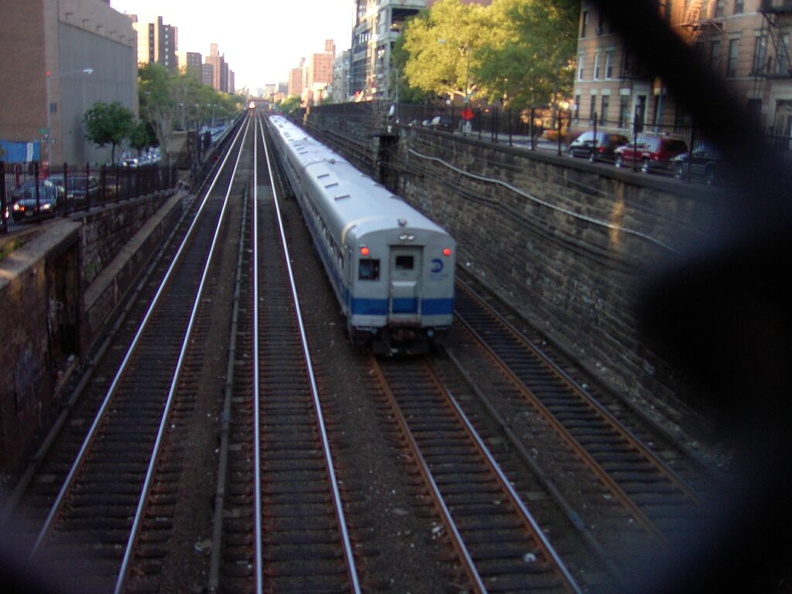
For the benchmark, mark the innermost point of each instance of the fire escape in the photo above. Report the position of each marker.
(698, 22)
(774, 62)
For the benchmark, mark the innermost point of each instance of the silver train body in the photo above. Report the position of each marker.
(391, 267)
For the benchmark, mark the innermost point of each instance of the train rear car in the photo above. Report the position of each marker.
(391, 267)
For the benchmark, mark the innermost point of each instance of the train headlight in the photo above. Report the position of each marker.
(447, 252)
(364, 251)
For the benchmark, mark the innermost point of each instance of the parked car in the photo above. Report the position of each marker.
(597, 146)
(78, 186)
(25, 206)
(441, 123)
(652, 153)
(703, 163)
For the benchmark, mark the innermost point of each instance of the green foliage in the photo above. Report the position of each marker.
(520, 52)
(443, 44)
(169, 102)
(141, 136)
(291, 104)
(108, 123)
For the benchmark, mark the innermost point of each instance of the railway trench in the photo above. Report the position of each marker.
(399, 542)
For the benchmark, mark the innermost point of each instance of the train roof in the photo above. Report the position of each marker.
(351, 199)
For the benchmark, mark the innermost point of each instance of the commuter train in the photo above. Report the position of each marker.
(391, 267)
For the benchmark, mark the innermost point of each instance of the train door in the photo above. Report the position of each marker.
(405, 285)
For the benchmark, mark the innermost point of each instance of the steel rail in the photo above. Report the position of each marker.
(257, 505)
(67, 484)
(175, 380)
(506, 485)
(457, 542)
(611, 484)
(336, 492)
(228, 391)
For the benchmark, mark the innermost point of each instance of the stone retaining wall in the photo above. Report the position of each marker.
(568, 243)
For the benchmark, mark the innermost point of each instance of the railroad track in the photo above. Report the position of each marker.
(286, 527)
(458, 467)
(640, 490)
(104, 498)
(498, 543)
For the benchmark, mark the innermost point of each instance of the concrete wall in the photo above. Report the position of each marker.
(60, 283)
(31, 314)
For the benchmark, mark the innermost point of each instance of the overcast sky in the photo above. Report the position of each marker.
(261, 40)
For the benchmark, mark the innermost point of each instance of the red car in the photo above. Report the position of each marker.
(652, 153)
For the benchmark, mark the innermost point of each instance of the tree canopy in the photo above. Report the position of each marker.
(520, 52)
(170, 102)
(108, 123)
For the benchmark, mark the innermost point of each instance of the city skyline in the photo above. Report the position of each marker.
(259, 50)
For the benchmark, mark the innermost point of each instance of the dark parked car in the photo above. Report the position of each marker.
(703, 163)
(80, 187)
(597, 147)
(26, 206)
(652, 153)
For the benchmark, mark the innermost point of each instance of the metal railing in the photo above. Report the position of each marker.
(31, 193)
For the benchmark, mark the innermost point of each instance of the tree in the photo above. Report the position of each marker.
(443, 43)
(141, 136)
(520, 52)
(291, 104)
(404, 92)
(168, 102)
(157, 106)
(532, 61)
(108, 123)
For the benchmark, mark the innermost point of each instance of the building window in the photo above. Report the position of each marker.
(720, 8)
(593, 109)
(604, 106)
(738, 6)
(609, 65)
(576, 109)
(760, 55)
(715, 51)
(580, 65)
(624, 110)
(584, 17)
(734, 51)
(596, 66)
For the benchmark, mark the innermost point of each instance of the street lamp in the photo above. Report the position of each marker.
(50, 77)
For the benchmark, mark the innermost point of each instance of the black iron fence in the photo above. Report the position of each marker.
(29, 193)
(507, 125)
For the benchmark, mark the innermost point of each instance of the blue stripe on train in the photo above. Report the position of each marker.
(379, 307)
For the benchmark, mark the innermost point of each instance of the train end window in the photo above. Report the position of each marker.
(369, 269)
(405, 262)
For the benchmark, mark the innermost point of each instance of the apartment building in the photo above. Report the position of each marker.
(378, 23)
(157, 42)
(745, 41)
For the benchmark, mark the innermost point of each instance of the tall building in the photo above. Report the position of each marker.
(378, 23)
(219, 68)
(319, 74)
(59, 58)
(745, 41)
(296, 80)
(191, 63)
(157, 42)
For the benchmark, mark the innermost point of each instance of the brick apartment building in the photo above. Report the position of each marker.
(59, 58)
(745, 41)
